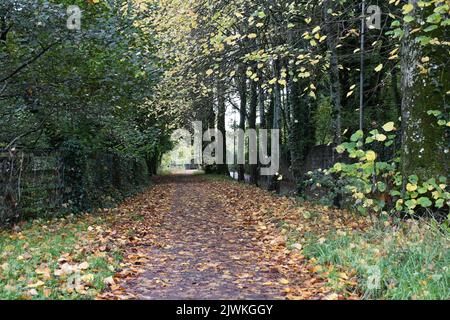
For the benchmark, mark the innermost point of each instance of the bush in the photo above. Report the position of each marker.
(376, 185)
(98, 179)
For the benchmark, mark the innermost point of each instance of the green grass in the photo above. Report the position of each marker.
(413, 260)
(40, 244)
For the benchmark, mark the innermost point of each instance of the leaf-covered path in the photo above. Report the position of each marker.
(198, 238)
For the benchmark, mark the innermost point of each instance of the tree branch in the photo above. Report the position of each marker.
(26, 64)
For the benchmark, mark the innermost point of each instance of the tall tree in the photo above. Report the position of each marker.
(252, 125)
(221, 125)
(242, 91)
(425, 80)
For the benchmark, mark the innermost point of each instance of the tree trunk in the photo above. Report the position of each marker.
(242, 88)
(424, 144)
(252, 125)
(221, 126)
(395, 92)
(262, 109)
(274, 184)
(332, 30)
(296, 134)
(209, 117)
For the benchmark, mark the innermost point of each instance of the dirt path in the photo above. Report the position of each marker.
(210, 241)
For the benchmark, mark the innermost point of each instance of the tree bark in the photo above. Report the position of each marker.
(242, 89)
(252, 125)
(274, 184)
(221, 126)
(332, 30)
(262, 109)
(424, 142)
(395, 92)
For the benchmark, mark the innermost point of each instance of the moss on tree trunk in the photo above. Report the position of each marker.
(424, 85)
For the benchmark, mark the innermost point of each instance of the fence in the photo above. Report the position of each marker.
(41, 184)
(30, 183)
(322, 157)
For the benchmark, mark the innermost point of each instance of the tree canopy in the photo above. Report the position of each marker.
(323, 72)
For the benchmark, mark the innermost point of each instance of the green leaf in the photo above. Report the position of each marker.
(439, 203)
(424, 202)
(340, 149)
(408, 19)
(430, 28)
(411, 204)
(414, 179)
(381, 186)
(395, 193)
(357, 136)
(422, 190)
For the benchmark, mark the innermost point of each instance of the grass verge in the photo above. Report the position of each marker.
(66, 258)
(407, 261)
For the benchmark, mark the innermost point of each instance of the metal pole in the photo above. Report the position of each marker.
(361, 82)
(234, 146)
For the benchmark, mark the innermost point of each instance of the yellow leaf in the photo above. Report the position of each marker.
(407, 8)
(388, 127)
(371, 156)
(394, 51)
(379, 67)
(88, 278)
(284, 281)
(37, 284)
(343, 275)
(304, 74)
(316, 29)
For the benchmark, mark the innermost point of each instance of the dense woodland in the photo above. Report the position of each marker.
(101, 94)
